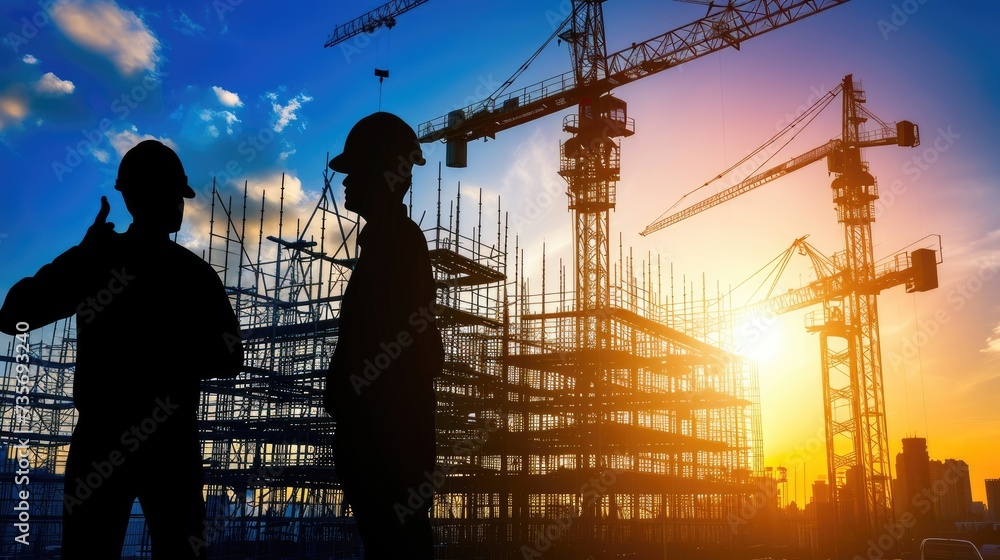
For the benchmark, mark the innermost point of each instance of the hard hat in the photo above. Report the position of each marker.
(380, 138)
(152, 163)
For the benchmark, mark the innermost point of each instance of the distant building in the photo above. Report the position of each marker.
(953, 489)
(912, 491)
(993, 498)
(821, 509)
(978, 511)
(820, 491)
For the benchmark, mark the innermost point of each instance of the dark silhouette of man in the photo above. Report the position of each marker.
(380, 383)
(152, 320)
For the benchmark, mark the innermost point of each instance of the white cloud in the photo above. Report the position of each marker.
(51, 86)
(227, 98)
(227, 116)
(102, 155)
(123, 141)
(299, 202)
(30, 59)
(993, 342)
(286, 113)
(185, 24)
(106, 29)
(230, 118)
(13, 107)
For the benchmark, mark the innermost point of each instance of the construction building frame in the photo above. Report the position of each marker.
(647, 447)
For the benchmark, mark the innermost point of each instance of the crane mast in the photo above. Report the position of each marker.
(590, 166)
(855, 192)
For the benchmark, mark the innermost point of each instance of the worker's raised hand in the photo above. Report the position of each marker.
(101, 228)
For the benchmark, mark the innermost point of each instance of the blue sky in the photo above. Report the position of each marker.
(245, 91)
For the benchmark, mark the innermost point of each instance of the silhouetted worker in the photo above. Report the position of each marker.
(380, 384)
(152, 321)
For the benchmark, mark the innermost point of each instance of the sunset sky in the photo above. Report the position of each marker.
(244, 90)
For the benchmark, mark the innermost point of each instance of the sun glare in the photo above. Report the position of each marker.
(758, 337)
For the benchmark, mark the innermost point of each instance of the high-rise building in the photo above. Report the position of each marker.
(913, 487)
(820, 491)
(955, 487)
(826, 534)
(978, 511)
(993, 498)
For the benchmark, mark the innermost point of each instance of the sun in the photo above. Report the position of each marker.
(758, 337)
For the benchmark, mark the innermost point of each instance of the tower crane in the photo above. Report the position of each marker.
(854, 409)
(370, 22)
(590, 160)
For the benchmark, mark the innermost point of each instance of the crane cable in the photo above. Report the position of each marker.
(503, 87)
(811, 113)
(920, 366)
(783, 256)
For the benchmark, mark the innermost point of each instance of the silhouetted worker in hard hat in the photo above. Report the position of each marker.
(380, 383)
(152, 321)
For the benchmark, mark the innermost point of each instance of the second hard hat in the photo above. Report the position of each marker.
(380, 138)
(152, 164)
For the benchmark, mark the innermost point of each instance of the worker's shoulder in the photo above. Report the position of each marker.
(410, 237)
(413, 231)
(182, 256)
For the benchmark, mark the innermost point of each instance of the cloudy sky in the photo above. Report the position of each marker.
(245, 91)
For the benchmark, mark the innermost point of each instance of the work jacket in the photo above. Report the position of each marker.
(152, 320)
(380, 380)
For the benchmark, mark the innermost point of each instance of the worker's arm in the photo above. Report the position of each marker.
(58, 288)
(219, 331)
(417, 300)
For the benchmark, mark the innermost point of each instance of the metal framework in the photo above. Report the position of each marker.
(724, 26)
(591, 158)
(855, 192)
(854, 402)
(370, 22)
(648, 444)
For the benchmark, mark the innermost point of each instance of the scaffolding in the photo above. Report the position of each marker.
(647, 447)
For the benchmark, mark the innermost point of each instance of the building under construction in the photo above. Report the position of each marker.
(644, 446)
